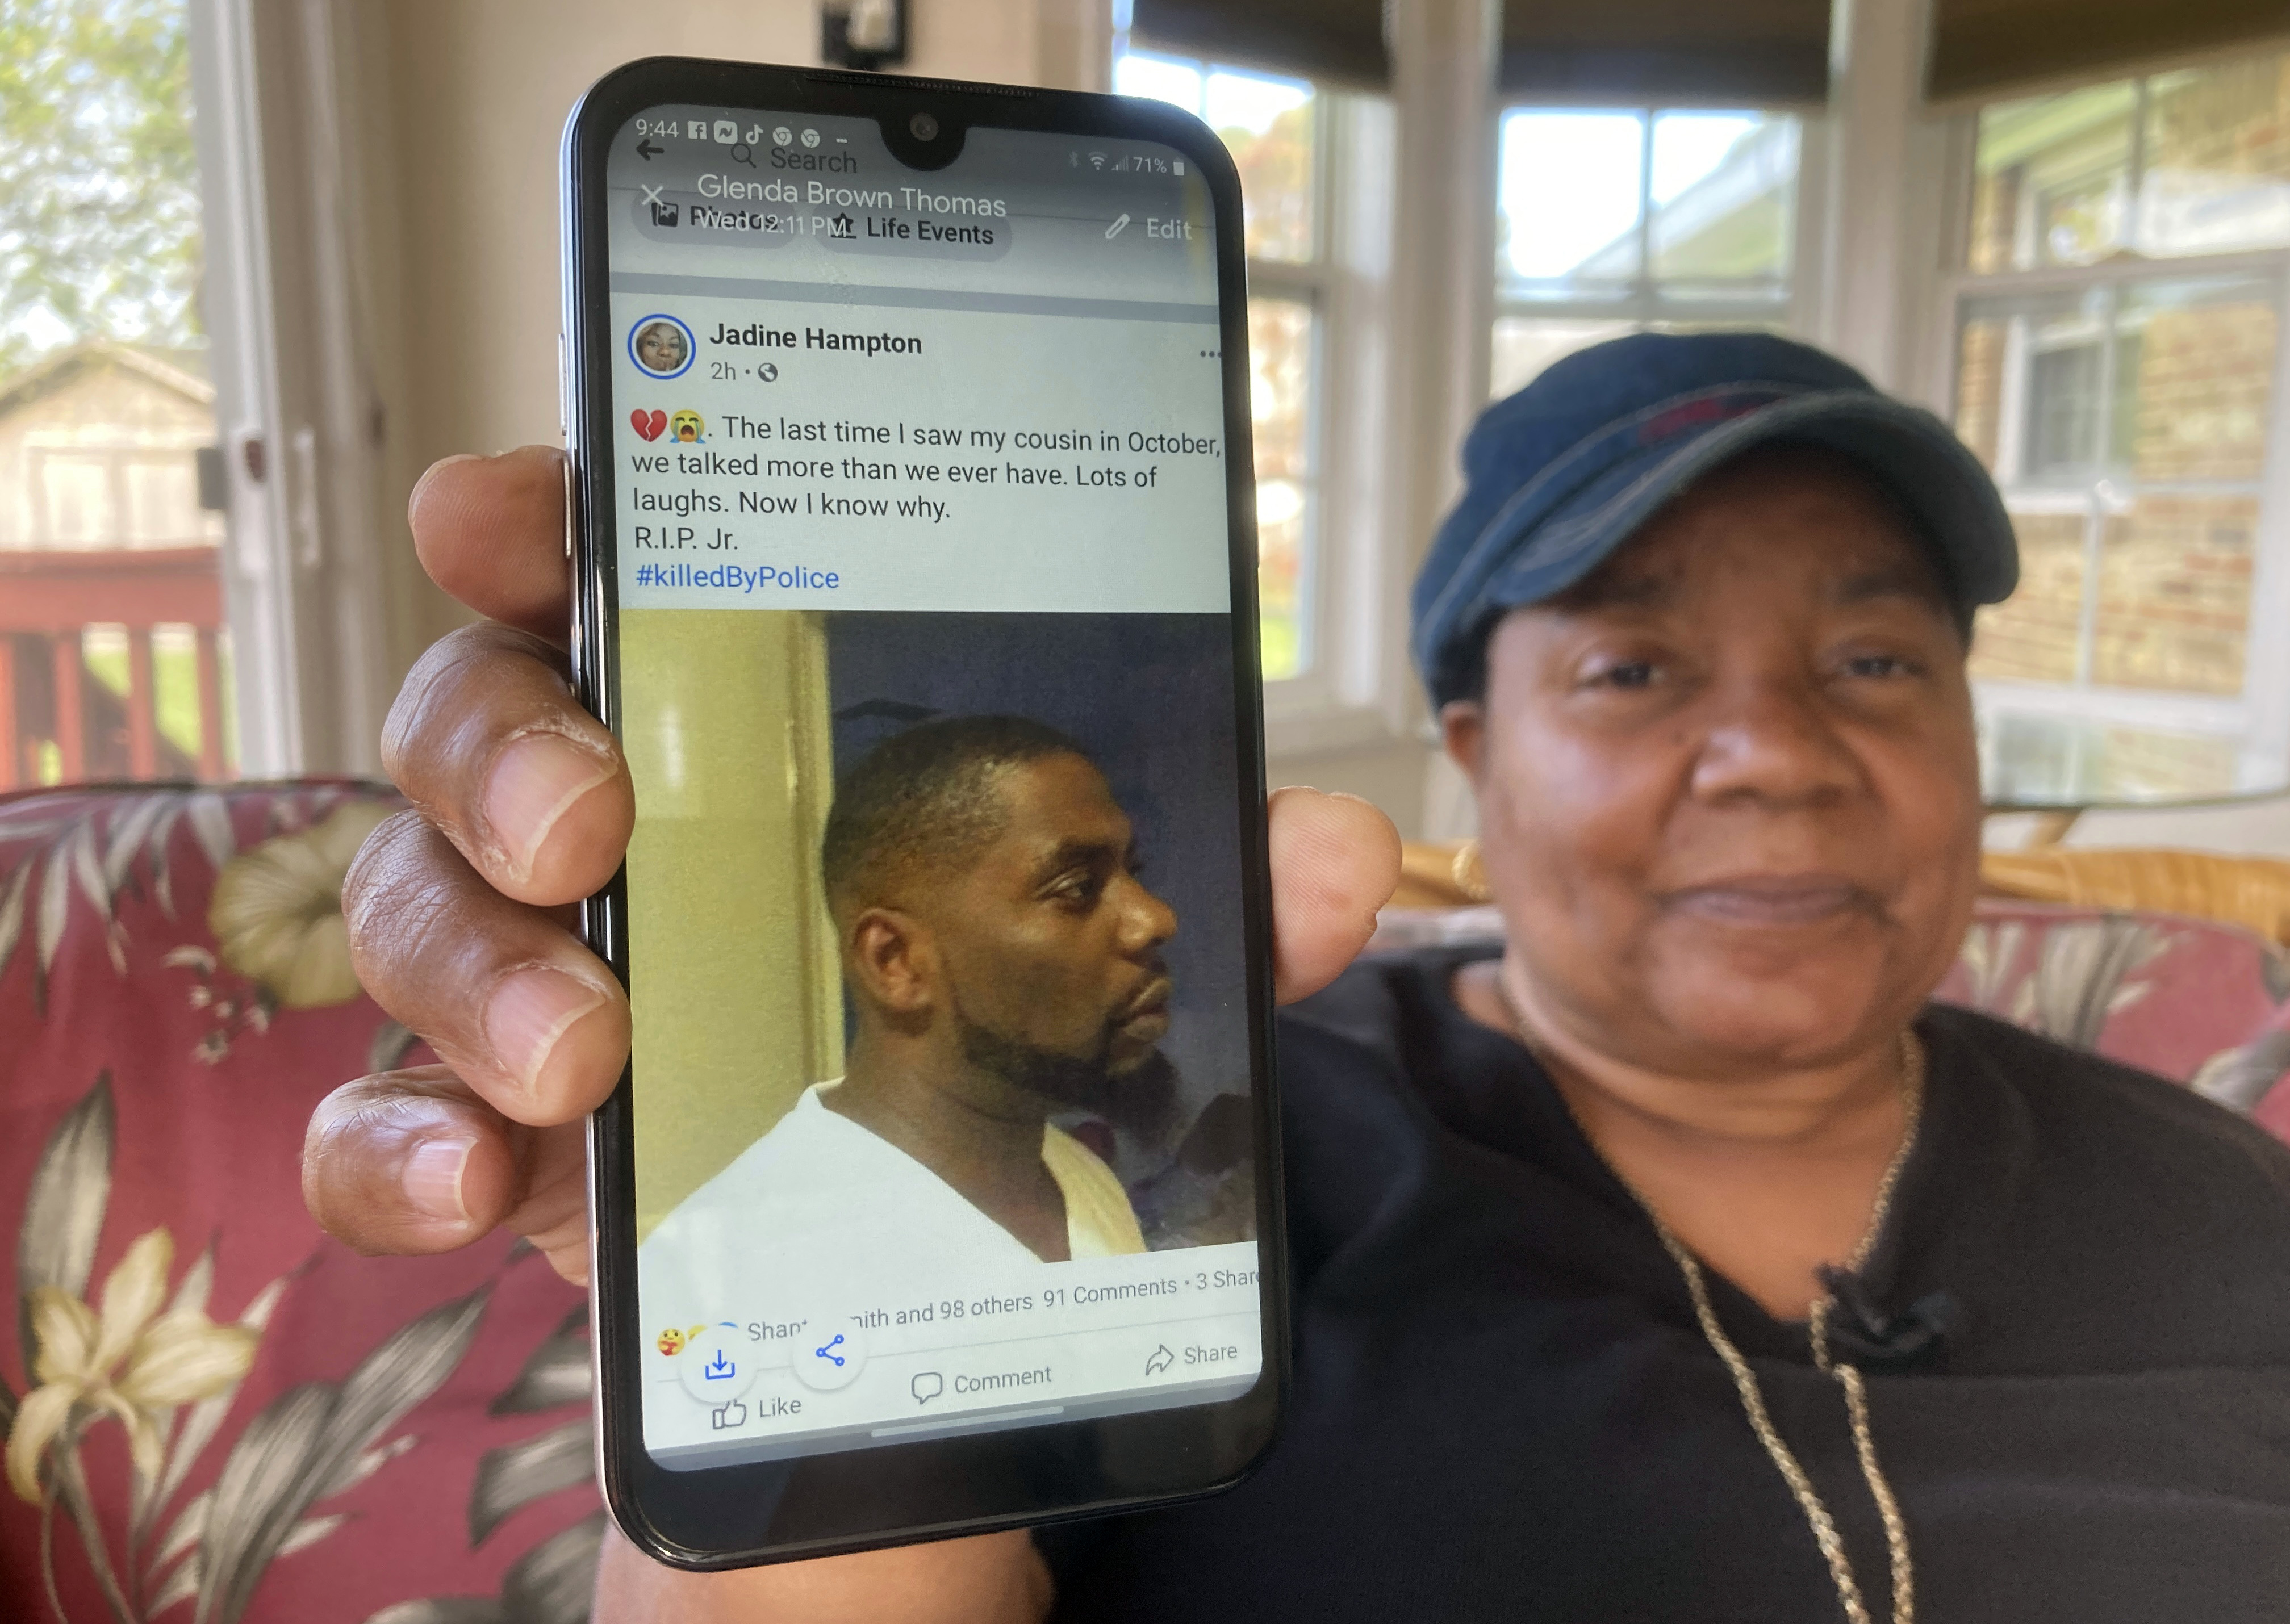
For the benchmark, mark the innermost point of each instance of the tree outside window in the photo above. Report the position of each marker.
(1273, 128)
(114, 659)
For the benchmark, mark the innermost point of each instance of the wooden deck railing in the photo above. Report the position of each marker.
(47, 695)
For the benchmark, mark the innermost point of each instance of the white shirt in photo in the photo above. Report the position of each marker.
(820, 1207)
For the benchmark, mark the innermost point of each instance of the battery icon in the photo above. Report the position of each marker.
(1180, 166)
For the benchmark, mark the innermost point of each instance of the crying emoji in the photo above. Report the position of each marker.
(687, 427)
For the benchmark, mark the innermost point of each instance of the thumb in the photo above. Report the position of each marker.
(1336, 861)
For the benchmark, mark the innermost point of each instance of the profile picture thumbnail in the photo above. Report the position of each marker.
(660, 346)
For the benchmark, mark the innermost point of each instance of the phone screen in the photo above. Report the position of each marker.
(941, 1066)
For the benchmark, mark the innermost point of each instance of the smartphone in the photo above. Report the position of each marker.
(913, 534)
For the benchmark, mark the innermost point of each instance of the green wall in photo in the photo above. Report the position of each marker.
(734, 982)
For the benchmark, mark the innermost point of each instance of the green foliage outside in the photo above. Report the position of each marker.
(1275, 184)
(106, 662)
(1279, 645)
(175, 695)
(99, 182)
(174, 681)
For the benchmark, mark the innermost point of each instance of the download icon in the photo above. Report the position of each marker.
(717, 1364)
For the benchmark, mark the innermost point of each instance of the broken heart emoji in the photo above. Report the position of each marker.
(649, 424)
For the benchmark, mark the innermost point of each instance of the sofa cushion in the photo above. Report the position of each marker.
(214, 1408)
(2192, 999)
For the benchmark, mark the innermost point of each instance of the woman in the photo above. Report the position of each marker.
(661, 350)
(1678, 1263)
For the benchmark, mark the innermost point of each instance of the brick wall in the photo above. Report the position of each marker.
(1979, 386)
(2233, 119)
(2175, 571)
(2174, 594)
(2205, 379)
(1995, 219)
(2031, 636)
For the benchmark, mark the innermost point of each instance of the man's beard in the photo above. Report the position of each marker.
(1083, 1083)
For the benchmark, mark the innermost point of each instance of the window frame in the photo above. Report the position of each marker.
(313, 595)
(1310, 282)
(1645, 307)
(2258, 719)
(1349, 685)
(1356, 682)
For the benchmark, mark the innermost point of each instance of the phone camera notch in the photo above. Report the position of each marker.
(923, 140)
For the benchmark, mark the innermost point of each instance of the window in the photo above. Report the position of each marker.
(114, 659)
(2116, 349)
(1615, 220)
(1275, 129)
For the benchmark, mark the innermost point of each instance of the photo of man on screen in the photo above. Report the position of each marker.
(1002, 961)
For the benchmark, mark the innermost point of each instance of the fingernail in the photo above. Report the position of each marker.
(431, 1176)
(534, 782)
(528, 1013)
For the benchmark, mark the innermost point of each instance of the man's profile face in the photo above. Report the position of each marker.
(1049, 943)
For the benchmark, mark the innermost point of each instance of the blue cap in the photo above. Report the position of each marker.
(1561, 474)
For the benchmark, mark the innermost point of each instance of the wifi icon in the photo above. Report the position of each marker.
(1097, 160)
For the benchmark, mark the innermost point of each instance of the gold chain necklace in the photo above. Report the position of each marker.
(1848, 1378)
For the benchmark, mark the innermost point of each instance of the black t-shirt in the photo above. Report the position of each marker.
(1503, 1408)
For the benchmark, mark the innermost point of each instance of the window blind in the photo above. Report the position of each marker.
(1331, 42)
(1753, 52)
(1738, 52)
(1626, 50)
(1983, 49)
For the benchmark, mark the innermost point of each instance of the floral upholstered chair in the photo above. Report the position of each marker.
(213, 1413)
(2199, 1000)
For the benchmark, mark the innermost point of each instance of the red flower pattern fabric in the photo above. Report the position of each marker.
(2204, 1003)
(214, 1412)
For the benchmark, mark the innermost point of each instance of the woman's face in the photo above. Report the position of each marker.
(660, 348)
(1727, 786)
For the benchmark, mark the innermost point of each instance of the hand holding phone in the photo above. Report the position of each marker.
(523, 867)
(447, 901)
(942, 1191)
